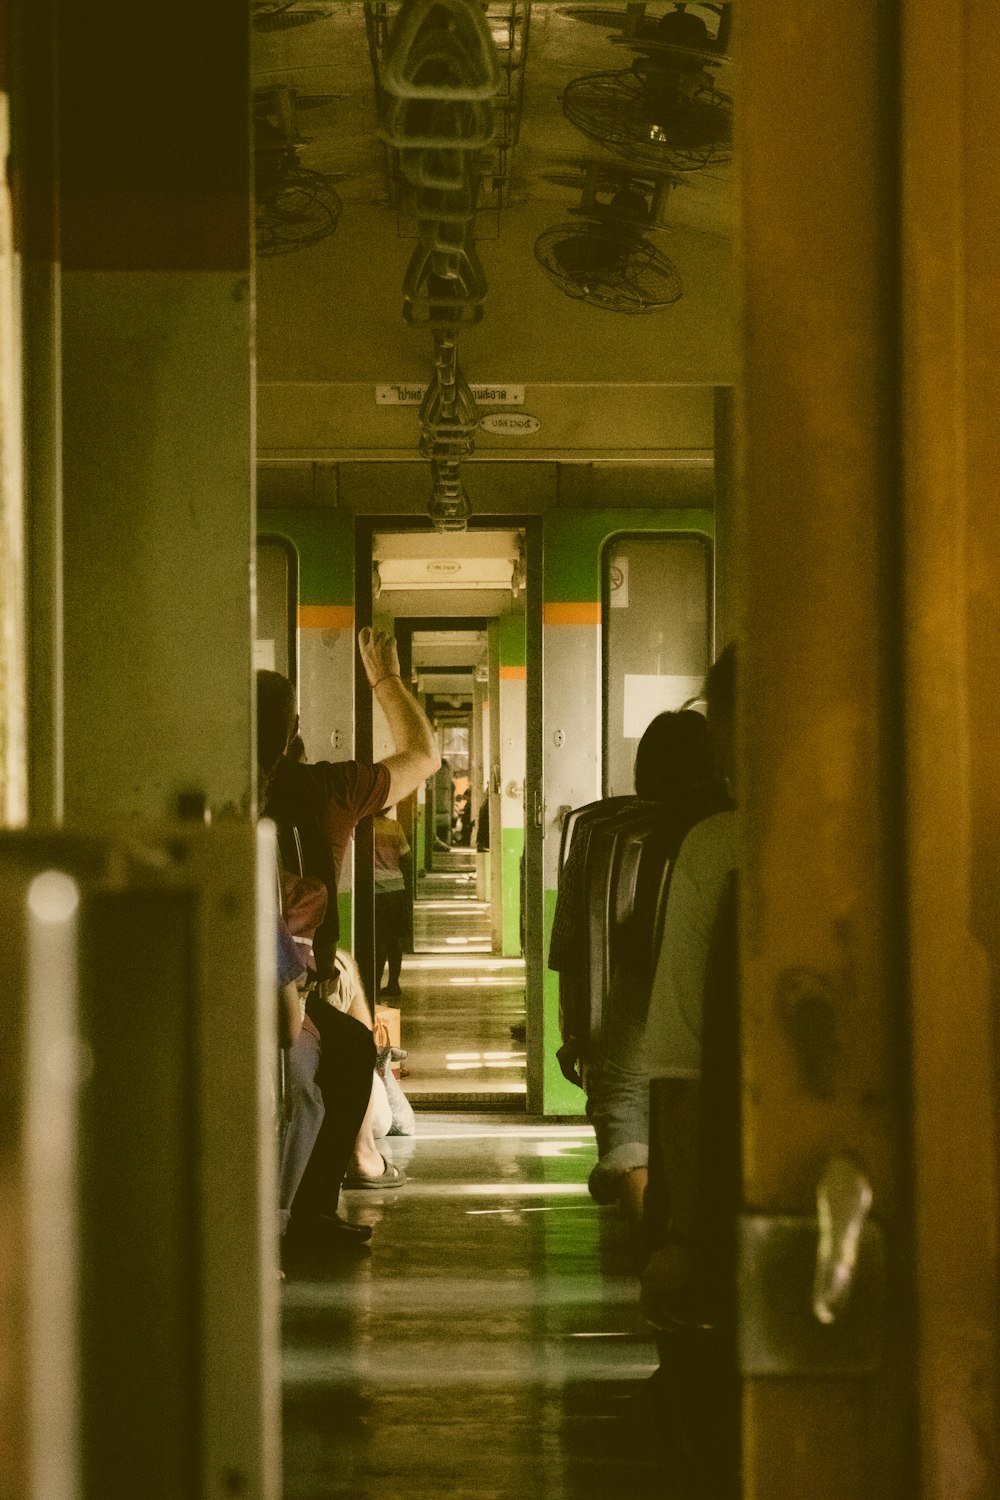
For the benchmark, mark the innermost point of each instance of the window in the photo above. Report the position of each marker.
(657, 639)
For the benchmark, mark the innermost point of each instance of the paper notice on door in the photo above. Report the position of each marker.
(263, 656)
(649, 695)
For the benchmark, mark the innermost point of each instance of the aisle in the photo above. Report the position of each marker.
(459, 1005)
(488, 1347)
(456, 1015)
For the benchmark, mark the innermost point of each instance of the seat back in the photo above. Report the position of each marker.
(579, 819)
(642, 879)
(626, 847)
(290, 848)
(625, 857)
(569, 938)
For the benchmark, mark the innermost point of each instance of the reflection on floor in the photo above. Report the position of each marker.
(442, 924)
(456, 1015)
(459, 1003)
(490, 1345)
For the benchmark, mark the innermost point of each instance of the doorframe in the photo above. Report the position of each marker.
(534, 899)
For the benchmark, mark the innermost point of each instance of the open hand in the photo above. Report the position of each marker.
(379, 654)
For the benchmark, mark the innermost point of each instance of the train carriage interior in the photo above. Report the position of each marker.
(498, 797)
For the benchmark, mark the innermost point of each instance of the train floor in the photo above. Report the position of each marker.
(489, 1344)
(462, 1008)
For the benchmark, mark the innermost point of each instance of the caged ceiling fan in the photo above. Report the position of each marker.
(605, 259)
(665, 111)
(295, 206)
(280, 15)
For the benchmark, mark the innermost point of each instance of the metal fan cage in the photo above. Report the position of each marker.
(608, 266)
(641, 119)
(305, 208)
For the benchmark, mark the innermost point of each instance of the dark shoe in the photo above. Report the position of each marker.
(391, 989)
(319, 1229)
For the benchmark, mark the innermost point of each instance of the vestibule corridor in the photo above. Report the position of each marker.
(462, 1010)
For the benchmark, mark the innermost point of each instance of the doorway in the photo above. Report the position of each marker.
(457, 606)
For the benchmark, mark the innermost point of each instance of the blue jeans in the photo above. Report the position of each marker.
(618, 1085)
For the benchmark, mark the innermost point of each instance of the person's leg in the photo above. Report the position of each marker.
(367, 1165)
(394, 940)
(305, 1118)
(367, 1162)
(632, 1198)
(383, 921)
(347, 1062)
(353, 989)
(617, 1088)
(395, 964)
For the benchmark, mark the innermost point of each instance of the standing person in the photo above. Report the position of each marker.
(444, 798)
(392, 908)
(325, 801)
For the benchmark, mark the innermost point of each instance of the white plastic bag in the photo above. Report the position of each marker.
(382, 1116)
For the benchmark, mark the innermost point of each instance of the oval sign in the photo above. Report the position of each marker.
(510, 423)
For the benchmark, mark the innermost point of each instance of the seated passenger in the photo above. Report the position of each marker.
(674, 768)
(350, 1052)
(701, 883)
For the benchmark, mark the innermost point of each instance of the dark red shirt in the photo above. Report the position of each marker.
(325, 801)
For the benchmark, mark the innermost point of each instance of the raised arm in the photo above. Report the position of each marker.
(415, 755)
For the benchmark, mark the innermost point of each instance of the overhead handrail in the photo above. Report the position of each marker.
(425, 29)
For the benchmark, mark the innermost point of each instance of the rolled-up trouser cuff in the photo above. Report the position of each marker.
(625, 1158)
(605, 1179)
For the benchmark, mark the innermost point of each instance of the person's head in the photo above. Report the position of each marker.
(277, 720)
(720, 693)
(673, 755)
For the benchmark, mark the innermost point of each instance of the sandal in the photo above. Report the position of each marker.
(391, 1177)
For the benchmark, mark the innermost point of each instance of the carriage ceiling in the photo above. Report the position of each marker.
(330, 324)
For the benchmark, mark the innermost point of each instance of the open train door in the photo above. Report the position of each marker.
(870, 567)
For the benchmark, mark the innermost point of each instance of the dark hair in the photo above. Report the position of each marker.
(720, 693)
(275, 717)
(296, 749)
(673, 755)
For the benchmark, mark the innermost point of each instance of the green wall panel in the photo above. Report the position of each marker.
(324, 540)
(345, 911)
(513, 848)
(512, 640)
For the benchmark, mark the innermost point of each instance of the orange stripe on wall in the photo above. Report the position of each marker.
(326, 617)
(513, 674)
(571, 614)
